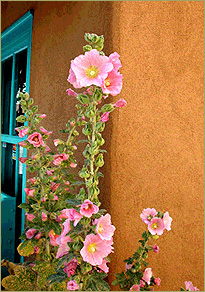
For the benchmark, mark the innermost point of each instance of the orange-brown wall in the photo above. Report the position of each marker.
(155, 143)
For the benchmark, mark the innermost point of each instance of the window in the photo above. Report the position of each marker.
(15, 66)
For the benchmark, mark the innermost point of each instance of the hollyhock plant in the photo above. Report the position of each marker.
(190, 287)
(23, 132)
(68, 235)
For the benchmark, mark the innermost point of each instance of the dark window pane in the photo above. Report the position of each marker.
(6, 78)
(19, 83)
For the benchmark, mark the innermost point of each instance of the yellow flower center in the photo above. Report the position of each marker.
(91, 248)
(89, 206)
(92, 72)
(154, 225)
(107, 82)
(100, 229)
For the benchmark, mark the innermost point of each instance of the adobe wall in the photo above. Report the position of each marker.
(155, 143)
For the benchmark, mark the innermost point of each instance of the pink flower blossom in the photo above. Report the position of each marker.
(72, 124)
(48, 149)
(49, 172)
(72, 285)
(23, 132)
(67, 183)
(75, 147)
(155, 248)
(120, 103)
(23, 159)
(190, 287)
(72, 215)
(95, 249)
(73, 165)
(30, 217)
(29, 192)
(62, 240)
(70, 268)
(36, 139)
(83, 118)
(167, 221)
(43, 130)
(128, 267)
(53, 237)
(135, 287)
(70, 92)
(43, 116)
(44, 216)
(43, 199)
(105, 117)
(30, 233)
(38, 235)
(148, 214)
(87, 209)
(54, 186)
(156, 226)
(142, 283)
(113, 83)
(33, 180)
(147, 275)
(59, 158)
(104, 228)
(157, 281)
(56, 142)
(90, 68)
(55, 198)
(104, 266)
(72, 78)
(114, 59)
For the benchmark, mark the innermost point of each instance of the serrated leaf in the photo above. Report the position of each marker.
(60, 276)
(67, 258)
(44, 270)
(74, 202)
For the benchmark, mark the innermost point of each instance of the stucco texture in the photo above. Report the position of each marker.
(155, 143)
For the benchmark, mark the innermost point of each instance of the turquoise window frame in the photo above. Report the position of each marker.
(15, 39)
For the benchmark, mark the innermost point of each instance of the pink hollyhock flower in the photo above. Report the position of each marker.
(113, 83)
(23, 132)
(58, 219)
(114, 59)
(34, 157)
(49, 172)
(48, 149)
(128, 267)
(53, 237)
(70, 92)
(72, 78)
(135, 287)
(44, 216)
(36, 249)
(43, 130)
(23, 159)
(30, 233)
(104, 228)
(148, 214)
(70, 267)
(95, 249)
(89, 91)
(142, 283)
(67, 183)
(56, 142)
(62, 240)
(91, 68)
(55, 198)
(36, 139)
(147, 275)
(59, 158)
(30, 217)
(72, 285)
(87, 209)
(104, 267)
(38, 235)
(73, 165)
(44, 199)
(157, 281)
(120, 103)
(155, 248)
(22, 144)
(33, 180)
(43, 116)
(54, 186)
(75, 147)
(83, 118)
(72, 215)
(190, 287)
(72, 124)
(29, 192)
(105, 117)
(167, 221)
(156, 226)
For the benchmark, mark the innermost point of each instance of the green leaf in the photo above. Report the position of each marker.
(60, 276)
(24, 206)
(66, 258)
(21, 119)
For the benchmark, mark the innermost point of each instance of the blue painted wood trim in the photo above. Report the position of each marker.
(11, 139)
(11, 122)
